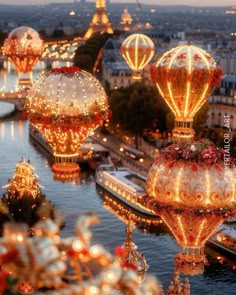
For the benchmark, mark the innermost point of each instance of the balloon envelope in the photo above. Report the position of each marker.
(137, 50)
(185, 76)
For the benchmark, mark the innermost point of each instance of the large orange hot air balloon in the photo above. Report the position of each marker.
(137, 50)
(193, 191)
(23, 48)
(185, 76)
(66, 105)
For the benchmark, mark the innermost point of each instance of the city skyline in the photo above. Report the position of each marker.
(156, 2)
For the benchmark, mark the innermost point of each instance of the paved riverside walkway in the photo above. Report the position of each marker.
(112, 143)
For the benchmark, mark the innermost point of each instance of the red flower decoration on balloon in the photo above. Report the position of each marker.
(202, 152)
(129, 265)
(76, 254)
(119, 251)
(10, 256)
(66, 70)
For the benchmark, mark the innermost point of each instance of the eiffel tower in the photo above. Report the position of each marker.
(100, 22)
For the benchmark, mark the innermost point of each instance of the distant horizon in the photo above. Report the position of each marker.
(194, 3)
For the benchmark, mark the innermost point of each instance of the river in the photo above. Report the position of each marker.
(159, 247)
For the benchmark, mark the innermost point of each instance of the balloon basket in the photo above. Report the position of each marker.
(65, 171)
(182, 134)
(136, 76)
(24, 83)
(190, 263)
(183, 130)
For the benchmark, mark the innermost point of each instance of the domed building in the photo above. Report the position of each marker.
(125, 21)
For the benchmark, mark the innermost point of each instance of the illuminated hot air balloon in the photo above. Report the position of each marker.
(23, 48)
(185, 76)
(137, 50)
(193, 190)
(66, 105)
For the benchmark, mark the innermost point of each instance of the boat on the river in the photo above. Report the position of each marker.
(124, 184)
(37, 137)
(224, 240)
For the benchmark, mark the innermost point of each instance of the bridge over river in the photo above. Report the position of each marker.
(17, 98)
(60, 50)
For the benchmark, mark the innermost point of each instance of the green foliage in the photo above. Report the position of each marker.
(11, 282)
(22, 208)
(58, 33)
(85, 62)
(200, 118)
(86, 54)
(3, 36)
(170, 121)
(43, 34)
(138, 107)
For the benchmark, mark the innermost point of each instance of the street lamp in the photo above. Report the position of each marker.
(132, 255)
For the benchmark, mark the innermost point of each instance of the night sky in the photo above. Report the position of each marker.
(157, 2)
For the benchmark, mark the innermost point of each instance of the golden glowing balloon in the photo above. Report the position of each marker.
(23, 48)
(137, 50)
(193, 191)
(185, 76)
(66, 105)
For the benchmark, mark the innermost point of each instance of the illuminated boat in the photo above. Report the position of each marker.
(225, 240)
(124, 184)
(37, 137)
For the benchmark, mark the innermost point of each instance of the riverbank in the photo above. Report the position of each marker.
(112, 143)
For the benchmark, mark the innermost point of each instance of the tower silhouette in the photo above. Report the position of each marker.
(100, 22)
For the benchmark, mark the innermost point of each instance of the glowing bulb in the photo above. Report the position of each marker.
(19, 238)
(77, 245)
(95, 250)
(92, 290)
(111, 276)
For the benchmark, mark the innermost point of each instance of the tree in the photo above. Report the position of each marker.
(136, 108)
(85, 62)
(89, 51)
(3, 36)
(170, 121)
(200, 118)
(58, 33)
(43, 34)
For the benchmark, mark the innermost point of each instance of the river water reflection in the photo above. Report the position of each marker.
(74, 198)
